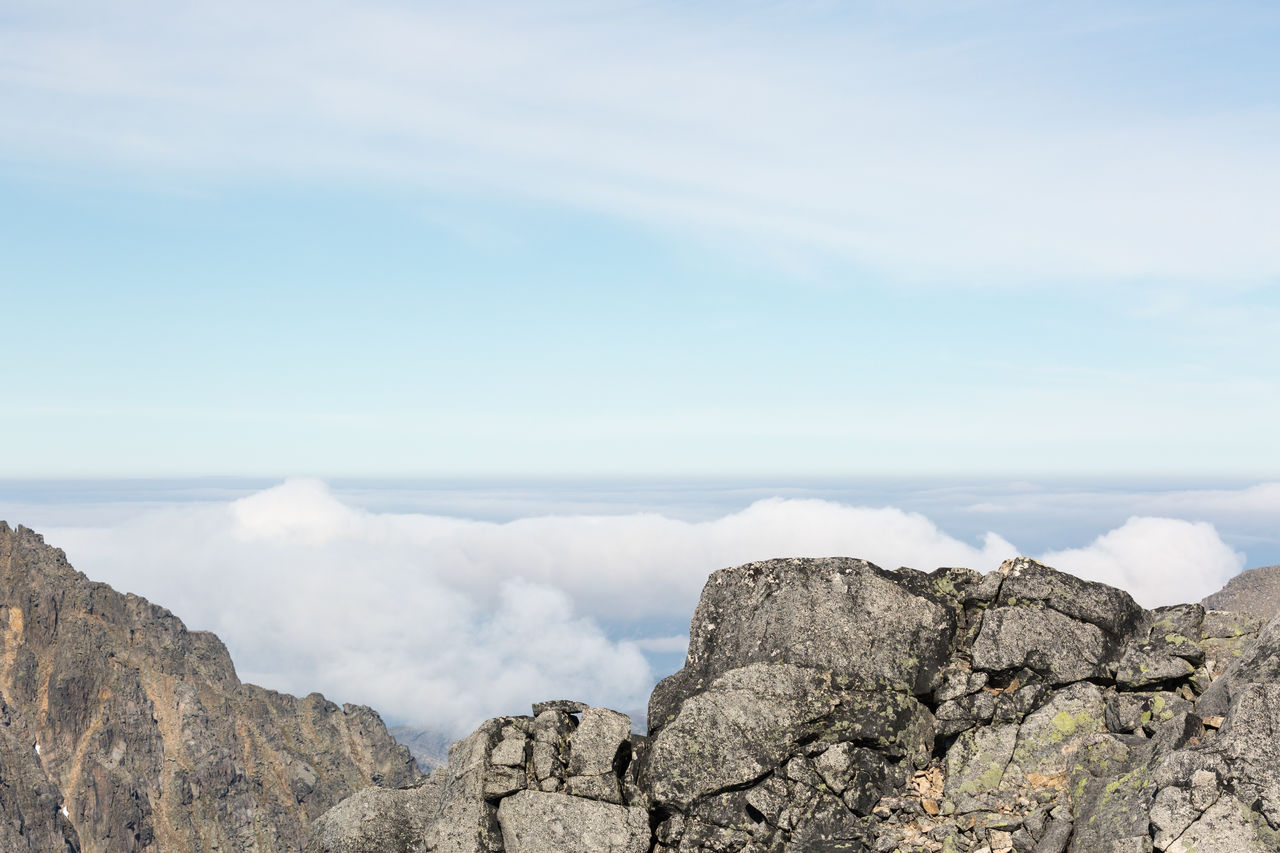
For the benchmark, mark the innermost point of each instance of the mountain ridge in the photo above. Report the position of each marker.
(131, 733)
(825, 704)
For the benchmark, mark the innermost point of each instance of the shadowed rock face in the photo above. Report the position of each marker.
(120, 730)
(830, 705)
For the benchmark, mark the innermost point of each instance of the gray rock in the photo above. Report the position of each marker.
(1255, 592)
(535, 822)
(1249, 745)
(1056, 837)
(1260, 662)
(1147, 665)
(1226, 827)
(379, 820)
(1049, 738)
(1111, 610)
(1229, 624)
(1130, 712)
(976, 764)
(30, 802)
(568, 706)
(600, 786)
(837, 614)
(799, 723)
(510, 751)
(750, 719)
(551, 731)
(147, 736)
(1171, 814)
(1059, 648)
(1168, 649)
(595, 744)
(465, 820)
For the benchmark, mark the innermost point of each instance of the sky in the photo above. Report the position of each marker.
(424, 291)
(570, 239)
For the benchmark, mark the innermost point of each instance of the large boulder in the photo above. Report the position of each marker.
(750, 720)
(892, 629)
(379, 820)
(538, 822)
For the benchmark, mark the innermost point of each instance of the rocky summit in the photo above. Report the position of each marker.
(122, 731)
(824, 705)
(830, 705)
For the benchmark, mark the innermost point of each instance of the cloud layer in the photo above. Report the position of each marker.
(442, 621)
(948, 145)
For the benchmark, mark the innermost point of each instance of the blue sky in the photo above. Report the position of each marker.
(530, 315)
(566, 239)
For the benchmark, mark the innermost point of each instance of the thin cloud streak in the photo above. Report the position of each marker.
(868, 141)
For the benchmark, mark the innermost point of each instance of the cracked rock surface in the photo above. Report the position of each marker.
(830, 705)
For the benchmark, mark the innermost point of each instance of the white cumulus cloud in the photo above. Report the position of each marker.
(1157, 560)
(442, 621)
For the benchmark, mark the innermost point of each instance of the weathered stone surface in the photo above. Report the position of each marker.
(844, 615)
(1049, 738)
(1171, 814)
(1130, 712)
(568, 706)
(1147, 665)
(594, 745)
(1226, 827)
(535, 822)
(1111, 610)
(1255, 592)
(750, 719)
(1045, 641)
(1249, 745)
(147, 738)
(1167, 648)
(976, 763)
(31, 816)
(1260, 662)
(379, 820)
(466, 820)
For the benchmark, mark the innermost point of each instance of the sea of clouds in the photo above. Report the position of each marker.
(440, 621)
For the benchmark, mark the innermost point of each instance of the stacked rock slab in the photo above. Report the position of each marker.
(122, 731)
(829, 705)
(560, 780)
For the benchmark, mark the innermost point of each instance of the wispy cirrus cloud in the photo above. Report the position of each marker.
(951, 146)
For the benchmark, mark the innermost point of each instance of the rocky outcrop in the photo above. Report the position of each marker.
(1256, 592)
(831, 705)
(120, 730)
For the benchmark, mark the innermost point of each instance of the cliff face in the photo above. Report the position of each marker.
(830, 705)
(120, 730)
